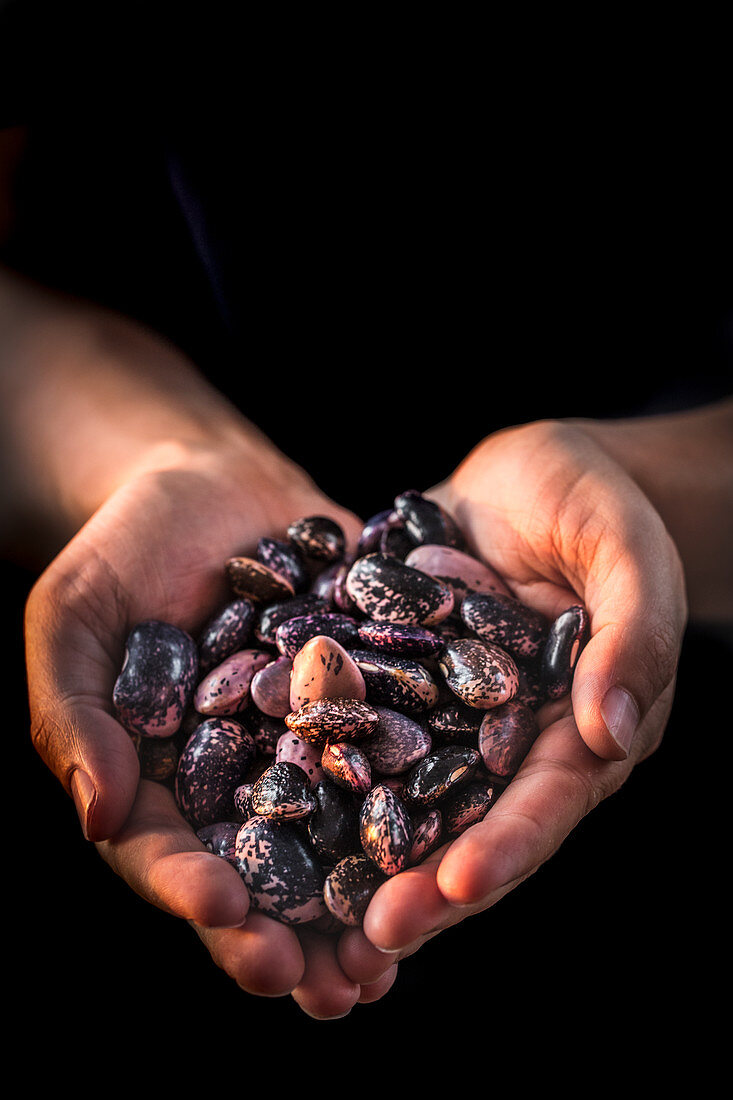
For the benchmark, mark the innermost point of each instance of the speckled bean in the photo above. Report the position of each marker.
(318, 538)
(350, 886)
(480, 673)
(227, 631)
(214, 762)
(226, 689)
(333, 720)
(283, 792)
(347, 766)
(397, 743)
(307, 756)
(257, 582)
(285, 559)
(385, 829)
(291, 636)
(283, 876)
(386, 590)
(271, 616)
(506, 735)
(403, 639)
(157, 679)
(505, 621)
(398, 682)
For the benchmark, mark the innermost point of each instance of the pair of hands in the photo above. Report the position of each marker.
(544, 504)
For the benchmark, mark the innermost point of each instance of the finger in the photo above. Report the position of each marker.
(324, 992)
(263, 957)
(374, 991)
(633, 589)
(360, 960)
(560, 781)
(70, 678)
(160, 857)
(406, 908)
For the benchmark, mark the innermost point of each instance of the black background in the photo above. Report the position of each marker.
(406, 290)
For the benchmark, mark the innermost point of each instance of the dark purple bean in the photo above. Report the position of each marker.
(350, 886)
(323, 584)
(282, 874)
(220, 838)
(506, 735)
(455, 721)
(441, 771)
(284, 559)
(371, 532)
(386, 830)
(481, 674)
(274, 614)
(404, 639)
(251, 579)
(466, 806)
(333, 827)
(318, 538)
(506, 622)
(157, 679)
(531, 689)
(426, 521)
(283, 792)
(347, 766)
(386, 590)
(229, 630)
(427, 833)
(568, 636)
(292, 635)
(395, 541)
(266, 729)
(214, 762)
(340, 596)
(158, 757)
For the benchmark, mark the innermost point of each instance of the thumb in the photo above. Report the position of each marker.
(69, 677)
(635, 596)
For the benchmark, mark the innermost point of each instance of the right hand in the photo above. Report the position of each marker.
(156, 549)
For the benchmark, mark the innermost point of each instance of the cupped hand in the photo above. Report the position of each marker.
(156, 549)
(561, 522)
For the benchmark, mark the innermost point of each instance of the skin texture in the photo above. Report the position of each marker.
(547, 505)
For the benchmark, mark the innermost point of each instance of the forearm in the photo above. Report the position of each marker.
(90, 399)
(684, 464)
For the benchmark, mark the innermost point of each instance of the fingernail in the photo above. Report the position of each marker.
(84, 794)
(621, 715)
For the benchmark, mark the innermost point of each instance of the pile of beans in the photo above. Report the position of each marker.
(343, 715)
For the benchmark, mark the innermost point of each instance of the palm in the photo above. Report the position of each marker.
(155, 550)
(561, 524)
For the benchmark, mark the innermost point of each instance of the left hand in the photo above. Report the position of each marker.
(561, 522)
